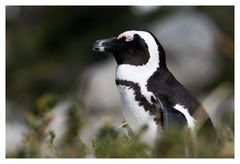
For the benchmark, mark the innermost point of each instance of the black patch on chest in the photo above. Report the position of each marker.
(153, 108)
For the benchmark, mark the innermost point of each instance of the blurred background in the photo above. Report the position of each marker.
(50, 67)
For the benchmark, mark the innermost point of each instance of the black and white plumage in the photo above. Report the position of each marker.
(150, 95)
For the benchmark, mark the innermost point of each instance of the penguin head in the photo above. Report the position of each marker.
(132, 47)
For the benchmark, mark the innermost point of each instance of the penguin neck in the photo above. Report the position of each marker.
(137, 74)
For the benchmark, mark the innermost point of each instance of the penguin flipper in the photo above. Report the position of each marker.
(170, 115)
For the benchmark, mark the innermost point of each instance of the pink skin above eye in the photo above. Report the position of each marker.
(127, 36)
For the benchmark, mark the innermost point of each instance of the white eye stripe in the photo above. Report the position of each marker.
(127, 36)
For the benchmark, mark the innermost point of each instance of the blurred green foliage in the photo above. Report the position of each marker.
(40, 142)
(110, 143)
(171, 144)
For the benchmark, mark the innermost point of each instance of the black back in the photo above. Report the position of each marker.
(165, 87)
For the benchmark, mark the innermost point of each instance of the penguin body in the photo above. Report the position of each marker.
(150, 94)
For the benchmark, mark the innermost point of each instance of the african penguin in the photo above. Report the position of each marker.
(150, 94)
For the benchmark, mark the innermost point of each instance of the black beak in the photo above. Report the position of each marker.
(105, 45)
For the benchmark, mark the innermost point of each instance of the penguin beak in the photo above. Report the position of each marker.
(105, 45)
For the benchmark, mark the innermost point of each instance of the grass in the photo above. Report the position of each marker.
(109, 142)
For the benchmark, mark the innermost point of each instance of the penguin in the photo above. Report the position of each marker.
(150, 94)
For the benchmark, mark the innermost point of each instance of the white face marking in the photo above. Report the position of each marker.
(126, 35)
(140, 74)
(136, 116)
(190, 119)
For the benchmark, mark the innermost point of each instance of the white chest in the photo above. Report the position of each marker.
(135, 115)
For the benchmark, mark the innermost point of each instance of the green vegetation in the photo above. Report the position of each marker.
(109, 142)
